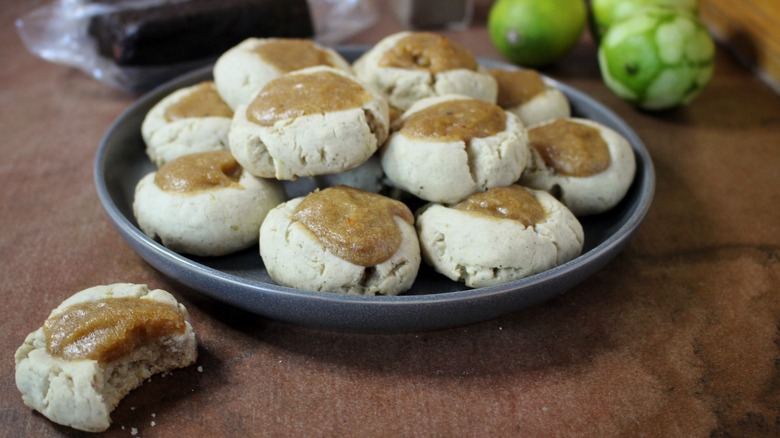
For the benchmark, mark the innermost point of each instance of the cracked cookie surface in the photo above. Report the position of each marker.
(481, 249)
(423, 69)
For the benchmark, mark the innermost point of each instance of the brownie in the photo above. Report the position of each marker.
(182, 31)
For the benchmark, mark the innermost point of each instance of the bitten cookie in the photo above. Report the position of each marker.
(242, 71)
(96, 347)
(309, 122)
(409, 66)
(586, 165)
(341, 240)
(189, 120)
(446, 148)
(204, 204)
(500, 235)
(526, 94)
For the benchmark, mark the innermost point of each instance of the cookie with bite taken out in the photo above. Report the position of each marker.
(96, 347)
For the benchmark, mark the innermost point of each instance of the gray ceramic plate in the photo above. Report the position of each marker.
(434, 302)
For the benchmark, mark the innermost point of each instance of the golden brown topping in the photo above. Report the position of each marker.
(516, 87)
(203, 101)
(296, 95)
(354, 225)
(513, 202)
(198, 172)
(570, 148)
(455, 120)
(110, 328)
(428, 51)
(292, 54)
(395, 113)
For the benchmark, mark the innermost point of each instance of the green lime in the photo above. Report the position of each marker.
(535, 33)
(657, 58)
(604, 13)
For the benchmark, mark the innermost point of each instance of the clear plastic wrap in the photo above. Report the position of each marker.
(137, 44)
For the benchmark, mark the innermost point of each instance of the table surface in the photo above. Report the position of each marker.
(677, 336)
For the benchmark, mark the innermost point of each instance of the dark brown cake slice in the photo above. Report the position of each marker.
(182, 31)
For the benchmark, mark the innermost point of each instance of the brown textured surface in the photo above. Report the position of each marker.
(751, 31)
(678, 336)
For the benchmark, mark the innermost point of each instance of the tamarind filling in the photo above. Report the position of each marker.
(292, 54)
(109, 329)
(570, 148)
(512, 202)
(455, 120)
(295, 95)
(202, 101)
(430, 52)
(516, 87)
(199, 172)
(356, 226)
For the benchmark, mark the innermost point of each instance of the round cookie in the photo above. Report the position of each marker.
(96, 347)
(244, 69)
(204, 204)
(526, 94)
(500, 235)
(309, 122)
(189, 120)
(341, 240)
(409, 66)
(586, 165)
(448, 147)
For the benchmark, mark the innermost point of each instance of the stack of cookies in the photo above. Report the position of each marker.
(417, 153)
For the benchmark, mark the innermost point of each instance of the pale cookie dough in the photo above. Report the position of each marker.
(295, 257)
(167, 138)
(481, 250)
(526, 94)
(448, 171)
(81, 393)
(211, 222)
(242, 71)
(311, 144)
(590, 194)
(404, 86)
